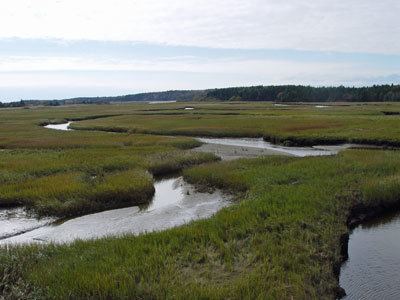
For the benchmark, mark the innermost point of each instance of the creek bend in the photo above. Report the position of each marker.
(175, 203)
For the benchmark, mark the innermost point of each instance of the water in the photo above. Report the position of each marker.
(373, 268)
(286, 105)
(64, 126)
(16, 220)
(261, 144)
(174, 203)
(161, 102)
(258, 143)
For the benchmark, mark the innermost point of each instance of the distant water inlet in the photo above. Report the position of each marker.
(63, 126)
(259, 143)
(162, 102)
(175, 203)
(252, 143)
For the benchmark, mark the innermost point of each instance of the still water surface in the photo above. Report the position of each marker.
(373, 268)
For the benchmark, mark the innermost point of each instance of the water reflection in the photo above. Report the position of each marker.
(373, 268)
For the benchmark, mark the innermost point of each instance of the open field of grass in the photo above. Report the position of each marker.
(300, 124)
(282, 239)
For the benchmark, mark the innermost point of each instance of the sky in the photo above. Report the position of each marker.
(54, 49)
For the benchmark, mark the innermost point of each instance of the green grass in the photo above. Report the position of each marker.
(281, 239)
(66, 174)
(72, 182)
(298, 125)
(71, 194)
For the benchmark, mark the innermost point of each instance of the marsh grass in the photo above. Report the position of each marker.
(280, 240)
(72, 182)
(71, 173)
(295, 125)
(382, 191)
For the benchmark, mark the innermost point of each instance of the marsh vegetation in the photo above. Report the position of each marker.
(284, 237)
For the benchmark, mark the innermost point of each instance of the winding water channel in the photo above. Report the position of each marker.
(175, 203)
(371, 272)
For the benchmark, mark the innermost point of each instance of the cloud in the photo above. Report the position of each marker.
(342, 25)
(63, 48)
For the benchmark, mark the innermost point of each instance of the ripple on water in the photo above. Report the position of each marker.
(373, 268)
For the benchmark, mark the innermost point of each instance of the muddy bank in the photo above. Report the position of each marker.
(227, 152)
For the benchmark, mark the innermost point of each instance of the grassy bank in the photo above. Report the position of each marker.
(72, 182)
(282, 240)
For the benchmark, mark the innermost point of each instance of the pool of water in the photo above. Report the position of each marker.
(175, 203)
(373, 268)
(64, 126)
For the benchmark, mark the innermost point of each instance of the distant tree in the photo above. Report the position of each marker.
(235, 98)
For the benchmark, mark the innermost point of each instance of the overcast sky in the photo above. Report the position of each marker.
(65, 48)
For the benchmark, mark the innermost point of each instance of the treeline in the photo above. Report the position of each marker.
(28, 103)
(182, 95)
(299, 93)
(277, 93)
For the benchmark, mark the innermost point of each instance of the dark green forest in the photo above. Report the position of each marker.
(299, 93)
(276, 93)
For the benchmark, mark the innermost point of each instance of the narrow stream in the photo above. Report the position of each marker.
(244, 147)
(259, 143)
(175, 203)
(373, 268)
